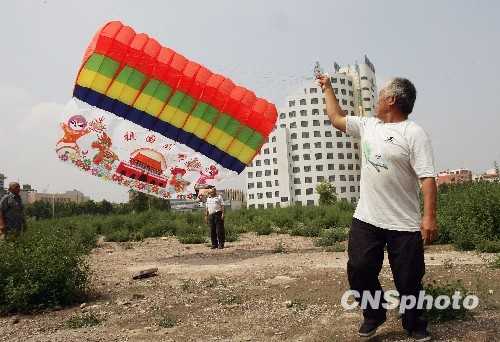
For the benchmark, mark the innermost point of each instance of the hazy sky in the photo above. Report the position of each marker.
(449, 49)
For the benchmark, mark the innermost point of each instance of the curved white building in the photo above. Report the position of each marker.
(306, 149)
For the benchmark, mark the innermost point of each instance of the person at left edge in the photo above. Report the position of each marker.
(12, 219)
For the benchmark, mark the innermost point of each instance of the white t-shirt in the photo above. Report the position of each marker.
(214, 204)
(394, 157)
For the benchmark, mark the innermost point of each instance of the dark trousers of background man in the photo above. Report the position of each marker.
(406, 258)
(217, 233)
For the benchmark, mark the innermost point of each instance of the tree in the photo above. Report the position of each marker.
(327, 193)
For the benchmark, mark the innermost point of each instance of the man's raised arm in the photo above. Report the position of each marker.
(429, 227)
(335, 113)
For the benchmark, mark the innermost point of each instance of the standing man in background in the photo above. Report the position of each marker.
(214, 216)
(397, 155)
(12, 220)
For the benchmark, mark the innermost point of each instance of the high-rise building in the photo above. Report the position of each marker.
(305, 149)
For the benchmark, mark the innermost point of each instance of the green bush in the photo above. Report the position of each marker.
(192, 239)
(329, 237)
(118, 235)
(44, 268)
(85, 320)
(448, 289)
(486, 246)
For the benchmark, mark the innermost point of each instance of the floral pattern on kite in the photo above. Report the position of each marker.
(134, 157)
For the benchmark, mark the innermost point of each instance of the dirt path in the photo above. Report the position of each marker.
(246, 292)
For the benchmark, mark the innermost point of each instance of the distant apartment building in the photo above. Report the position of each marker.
(73, 196)
(305, 149)
(454, 176)
(488, 176)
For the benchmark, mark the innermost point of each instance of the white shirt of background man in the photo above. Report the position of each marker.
(214, 204)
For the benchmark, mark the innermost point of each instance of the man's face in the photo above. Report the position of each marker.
(384, 103)
(16, 189)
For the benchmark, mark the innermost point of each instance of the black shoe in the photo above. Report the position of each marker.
(369, 327)
(420, 336)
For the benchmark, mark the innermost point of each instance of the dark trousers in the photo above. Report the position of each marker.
(406, 258)
(217, 233)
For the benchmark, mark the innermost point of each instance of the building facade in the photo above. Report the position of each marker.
(454, 176)
(73, 196)
(305, 149)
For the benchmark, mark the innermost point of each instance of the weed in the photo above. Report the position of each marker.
(167, 320)
(85, 320)
(448, 289)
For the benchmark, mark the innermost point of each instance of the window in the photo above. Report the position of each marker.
(351, 103)
(368, 109)
(319, 167)
(308, 180)
(318, 156)
(250, 175)
(267, 172)
(349, 155)
(282, 115)
(340, 144)
(293, 136)
(297, 192)
(295, 147)
(324, 111)
(295, 158)
(315, 122)
(341, 167)
(314, 100)
(267, 162)
(305, 135)
(328, 134)
(307, 168)
(365, 88)
(342, 81)
(358, 177)
(320, 179)
(341, 156)
(273, 139)
(269, 195)
(331, 178)
(250, 185)
(338, 134)
(303, 112)
(349, 82)
(284, 199)
(296, 169)
(366, 99)
(351, 178)
(309, 191)
(306, 157)
(356, 145)
(293, 125)
(350, 91)
(331, 167)
(329, 144)
(269, 205)
(352, 188)
(350, 167)
(282, 125)
(315, 112)
(364, 78)
(275, 172)
(327, 123)
(357, 166)
(334, 79)
(258, 163)
(258, 174)
(329, 156)
(343, 189)
(303, 102)
(317, 144)
(251, 196)
(344, 102)
(269, 184)
(310, 202)
(276, 182)
(261, 206)
(296, 181)
(306, 146)
(275, 161)
(292, 114)
(313, 90)
(291, 103)
(343, 91)
(317, 134)
(303, 124)
(348, 144)
(342, 178)
(259, 185)
(336, 90)
(356, 156)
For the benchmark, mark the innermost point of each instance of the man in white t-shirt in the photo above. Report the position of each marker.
(396, 156)
(214, 216)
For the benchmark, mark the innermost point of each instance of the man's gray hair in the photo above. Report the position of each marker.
(404, 92)
(13, 185)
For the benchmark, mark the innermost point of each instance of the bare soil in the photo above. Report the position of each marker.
(246, 292)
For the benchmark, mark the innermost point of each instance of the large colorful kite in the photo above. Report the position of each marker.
(146, 117)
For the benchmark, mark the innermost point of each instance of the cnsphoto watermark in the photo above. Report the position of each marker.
(391, 300)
